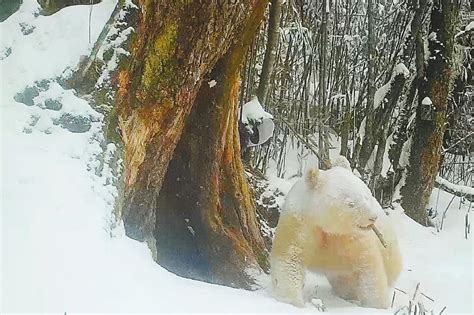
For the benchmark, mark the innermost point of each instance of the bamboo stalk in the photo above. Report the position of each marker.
(379, 235)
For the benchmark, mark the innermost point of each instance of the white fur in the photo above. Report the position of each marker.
(324, 226)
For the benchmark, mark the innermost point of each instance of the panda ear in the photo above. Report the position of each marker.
(313, 177)
(341, 161)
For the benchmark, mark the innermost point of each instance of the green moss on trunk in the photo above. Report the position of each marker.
(184, 181)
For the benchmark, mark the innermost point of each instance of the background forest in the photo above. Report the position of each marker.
(334, 48)
(379, 61)
(151, 120)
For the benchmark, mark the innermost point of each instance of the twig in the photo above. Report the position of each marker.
(421, 308)
(90, 17)
(101, 39)
(442, 310)
(379, 235)
(467, 226)
(401, 309)
(426, 296)
(446, 211)
(437, 199)
(393, 298)
(400, 290)
(308, 144)
(460, 140)
(416, 291)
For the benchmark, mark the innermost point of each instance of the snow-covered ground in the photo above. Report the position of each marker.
(59, 251)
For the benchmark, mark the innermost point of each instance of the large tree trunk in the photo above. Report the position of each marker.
(428, 134)
(185, 189)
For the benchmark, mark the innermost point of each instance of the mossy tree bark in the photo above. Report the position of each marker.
(427, 140)
(185, 188)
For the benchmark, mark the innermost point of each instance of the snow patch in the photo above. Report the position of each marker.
(401, 69)
(470, 26)
(212, 83)
(426, 101)
(361, 132)
(380, 94)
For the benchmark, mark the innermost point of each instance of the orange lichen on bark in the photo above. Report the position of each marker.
(241, 244)
(431, 153)
(154, 116)
(123, 84)
(135, 135)
(140, 127)
(229, 134)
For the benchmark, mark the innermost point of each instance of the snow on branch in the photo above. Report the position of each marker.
(458, 190)
(382, 92)
(401, 69)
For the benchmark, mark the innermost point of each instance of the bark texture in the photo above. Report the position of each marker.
(428, 134)
(193, 203)
(414, 47)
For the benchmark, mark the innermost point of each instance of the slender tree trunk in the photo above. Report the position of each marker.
(428, 134)
(378, 162)
(323, 110)
(346, 124)
(414, 45)
(185, 190)
(382, 118)
(368, 142)
(270, 49)
(347, 113)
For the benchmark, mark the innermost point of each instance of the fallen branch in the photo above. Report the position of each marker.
(457, 190)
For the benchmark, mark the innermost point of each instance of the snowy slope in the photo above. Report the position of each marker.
(59, 252)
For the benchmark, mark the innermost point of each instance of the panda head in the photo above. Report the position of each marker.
(339, 201)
